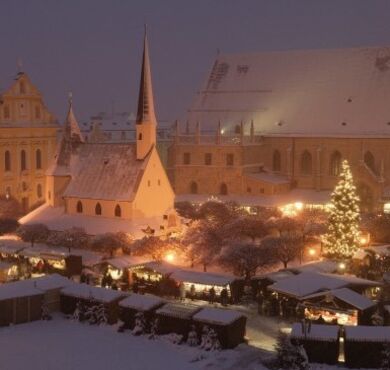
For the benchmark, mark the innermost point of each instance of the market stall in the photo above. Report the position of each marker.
(228, 324)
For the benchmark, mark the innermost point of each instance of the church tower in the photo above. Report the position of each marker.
(146, 119)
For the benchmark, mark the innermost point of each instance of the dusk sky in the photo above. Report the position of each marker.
(93, 47)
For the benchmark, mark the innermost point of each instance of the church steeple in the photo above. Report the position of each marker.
(146, 119)
(72, 129)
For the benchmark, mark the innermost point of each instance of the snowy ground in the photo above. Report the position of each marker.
(62, 344)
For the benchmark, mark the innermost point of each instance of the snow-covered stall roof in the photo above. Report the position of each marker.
(367, 333)
(160, 267)
(206, 278)
(11, 248)
(123, 262)
(306, 196)
(274, 276)
(182, 311)
(332, 92)
(141, 302)
(95, 167)
(56, 219)
(308, 283)
(325, 266)
(217, 316)
(327, 333)
(348, 296)
(36, 286)
(86, 291)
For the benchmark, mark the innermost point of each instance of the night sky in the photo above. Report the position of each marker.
(93, 47)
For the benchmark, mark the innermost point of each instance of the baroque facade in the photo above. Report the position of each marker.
(28, 137)
(283, 123)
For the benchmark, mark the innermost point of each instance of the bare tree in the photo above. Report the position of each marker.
(110, 242)
(244, 227)
(155, 247)
(33, 233)
(245, 259)
(285, 248)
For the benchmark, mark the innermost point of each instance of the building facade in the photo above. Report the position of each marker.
(28, 138)
(283, 122)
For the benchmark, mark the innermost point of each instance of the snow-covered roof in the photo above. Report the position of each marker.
(207, 278)
(123, 262)
(348, 296)
(308, 283)
(141, 302)
(86, 291)
(10, 248)
(367, 333)
(327, 333)
(306, 196)
(36, 286)
(275, 275)
(182, 311)
(55, 218)
(96, 165)
(325, 266)
(382, 250)
(332, 92)
(161, 267)
(217, 316)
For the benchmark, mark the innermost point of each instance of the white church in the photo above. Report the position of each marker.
(109, 187)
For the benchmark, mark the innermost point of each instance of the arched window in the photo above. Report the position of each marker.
(79, 207)
(223, 190)
(140, 136)
(276, 161)
(23, 161)
(335, 164)
(306, 163)
(39, 191)
(118, 211)
(8, 192)
(7, 161)
(38, 159)
(98, 209)
(194, 188)
(6, 112)
(369, 160)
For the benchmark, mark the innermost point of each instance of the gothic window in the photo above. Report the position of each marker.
(369, 160)
(39, 191)
(79, 207)
(208, 157)
(187, 158)
(306, 163)
(335, 164)
(223, 190)
(6, 112)
(23, 160)
(140, 136)
(37, 112)
(98, 209)
(193, 188)
(7, 161)
(230, 159)
(38, 159)
(276, 161)
(118, 211)
(8, 192)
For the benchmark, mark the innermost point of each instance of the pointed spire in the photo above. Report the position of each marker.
(145, 112)
(72, 129)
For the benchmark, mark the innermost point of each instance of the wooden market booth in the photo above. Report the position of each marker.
(363, 345)
(176, 318)
(228, 324)
(145, 303)
(89, 296)
(321, 342)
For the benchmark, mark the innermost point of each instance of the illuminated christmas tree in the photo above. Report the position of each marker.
(342, 237)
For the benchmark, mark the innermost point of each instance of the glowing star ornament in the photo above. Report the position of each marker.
(343, 237)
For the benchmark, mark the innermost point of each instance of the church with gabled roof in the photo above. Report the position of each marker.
(110, 187)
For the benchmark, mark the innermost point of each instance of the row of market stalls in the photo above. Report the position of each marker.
(162, 278)
(318, 296)
(356, 346)
(26, 300)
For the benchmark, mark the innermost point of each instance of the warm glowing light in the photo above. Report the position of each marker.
(169, 257)
(342, 266)
(312, 252)
(363, 240)
(298, 206)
